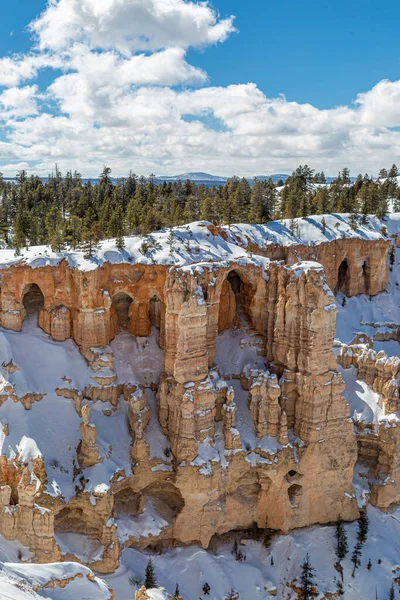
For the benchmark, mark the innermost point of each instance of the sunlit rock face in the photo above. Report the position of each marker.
(232, 413)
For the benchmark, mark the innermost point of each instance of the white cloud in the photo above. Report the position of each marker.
(145, 129)
(380, 107)
(14, 70)
(117, 101)
(129, 25)
(18, 102)
(10, 170)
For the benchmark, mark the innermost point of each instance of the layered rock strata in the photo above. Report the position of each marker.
(379, 371)
(378, 442)
(286, 462)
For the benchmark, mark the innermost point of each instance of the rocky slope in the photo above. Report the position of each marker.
(175, 394)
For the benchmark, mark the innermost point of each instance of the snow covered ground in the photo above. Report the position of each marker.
(265, 574)
(369, 315)
(45, 365)
(31, 582)
(192, 567)
(200, 242)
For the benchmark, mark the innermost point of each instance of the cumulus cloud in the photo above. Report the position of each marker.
(14, 70)
(125, 95)
(380, 107)
(18, 102)
(129, 25)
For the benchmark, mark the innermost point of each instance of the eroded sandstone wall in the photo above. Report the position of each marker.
(80, 304)
(366, 261)
(378, 441)
(298, 471)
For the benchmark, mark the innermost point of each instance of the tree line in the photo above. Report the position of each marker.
(65, 210)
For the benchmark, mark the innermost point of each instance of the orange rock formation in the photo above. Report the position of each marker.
(301, 471)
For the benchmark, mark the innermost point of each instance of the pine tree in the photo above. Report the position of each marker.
(91, 238)
(191, 212)
(119, 228)
(75, 227)
(3, 223)
(382, 208)
(120, 241)
(353, 221)
(391, 257)
(228, 208)
(19, 237)
(356, 557)
(150, 577)
(391, 593)
(171, 241)
(363, 524)
(323, 225)
(307, 580)
(241, 200)
(206, 589)
(256, 203)
(177, 595)
(55, 232)
(133, 215)
(369, 565)
(144, 248)
(339, 588)
(208, 212)
(341, 548)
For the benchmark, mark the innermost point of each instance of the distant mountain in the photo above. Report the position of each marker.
(275, 177)
(193, 177)
(329, 179)
(207, 179)
(201, 178)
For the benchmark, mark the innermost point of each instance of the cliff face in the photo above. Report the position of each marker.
(263, 442)
(352, 266)
(378, 442)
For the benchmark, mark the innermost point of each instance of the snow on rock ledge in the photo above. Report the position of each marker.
(202, 242)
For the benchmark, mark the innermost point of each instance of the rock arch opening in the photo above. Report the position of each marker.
(72, 519)
(69, 520)
(294, 493)
(160, 497)
(32, 301)
(121, 306)
(248, 489)
(292, 474)
(128, 502)
(165, 498)
(343, 277)
(234, 303)
(365, 275)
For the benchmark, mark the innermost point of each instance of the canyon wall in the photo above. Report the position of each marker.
(296, 467)
(378, 441)
(352, 266)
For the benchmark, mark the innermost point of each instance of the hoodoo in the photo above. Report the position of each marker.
(201, 394)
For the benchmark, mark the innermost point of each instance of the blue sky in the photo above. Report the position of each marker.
(318, 52)
(327, 54)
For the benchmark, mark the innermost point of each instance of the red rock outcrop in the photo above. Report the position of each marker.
(296, 471)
